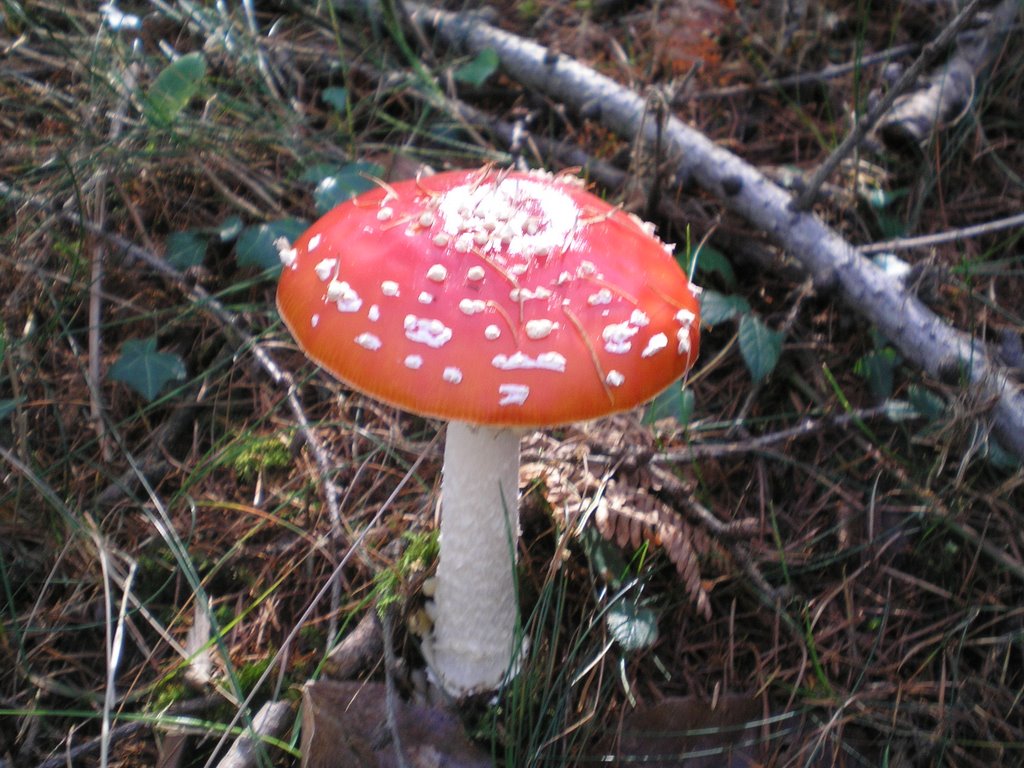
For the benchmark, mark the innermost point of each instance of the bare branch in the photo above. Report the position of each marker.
(868, 121)
(938, 238)
(924, 339)
(945, 95)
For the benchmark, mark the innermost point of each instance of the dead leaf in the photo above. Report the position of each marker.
(688, 32)
(685, 730)
(344, 724)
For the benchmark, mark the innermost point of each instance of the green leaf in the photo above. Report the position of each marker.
(878, 369)
(479, 68)
(760, 347)
(185, 249)
(718, 307)
(711, 261)
(255, 245)
(633, 626)
(926, 402)
(336, 188)
(144, 369)
(174, 87)
(317, 172)
(605, 558)
(336, 97)
(676, 402)
(881, 198)
(997, 456)
(8, 404)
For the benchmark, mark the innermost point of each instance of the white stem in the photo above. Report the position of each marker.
(475, 599)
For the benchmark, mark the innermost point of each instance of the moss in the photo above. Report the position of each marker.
(259, 455)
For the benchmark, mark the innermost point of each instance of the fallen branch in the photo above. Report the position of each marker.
(800, 79)
(945, 95)
(939, 238)
(863, 125)
(923, 338)
(272, 720)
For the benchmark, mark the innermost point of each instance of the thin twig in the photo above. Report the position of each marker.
(808, 426)
(228, 321)
(390, 692)
(261, 59)
(95, 341)
(334, 576)
(802, 78)
(928, 54)
(122, 732)
(805, 428)
(939, 238)
(925, 339)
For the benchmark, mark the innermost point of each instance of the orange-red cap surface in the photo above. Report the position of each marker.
(491, 297)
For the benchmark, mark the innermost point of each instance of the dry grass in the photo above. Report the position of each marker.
(865, 575)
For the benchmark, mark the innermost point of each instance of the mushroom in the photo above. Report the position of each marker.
(497, 301)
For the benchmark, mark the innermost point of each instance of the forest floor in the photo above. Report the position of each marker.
(811, 555)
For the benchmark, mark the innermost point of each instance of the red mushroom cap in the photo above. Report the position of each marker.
(491, 297)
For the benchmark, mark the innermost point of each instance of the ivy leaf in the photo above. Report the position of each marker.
(174, 87)
(633, 626)
(676, 402)
(926, 403)
(605, 558)
(718, 307)
(878, 369)
(144, 369)
(335, 188)
(185, 249)
(255, 245)
(760, 347)
(1000, 458)
(479, 68)
(711, 261)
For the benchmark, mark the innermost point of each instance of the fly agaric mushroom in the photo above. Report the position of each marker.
(497, 301)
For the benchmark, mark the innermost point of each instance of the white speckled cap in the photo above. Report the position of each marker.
(491, 297)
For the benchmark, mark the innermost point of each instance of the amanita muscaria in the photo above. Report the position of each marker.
(497, 301)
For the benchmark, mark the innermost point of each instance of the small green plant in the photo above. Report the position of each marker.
(249, 674)
(174, 87)
(255, 246)
(528, 10)
(261, 454)
(146, 370)
(170, 692)
(477, 70)
(760, 346)
(878, 367)
(337, 184)
(421, 550)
